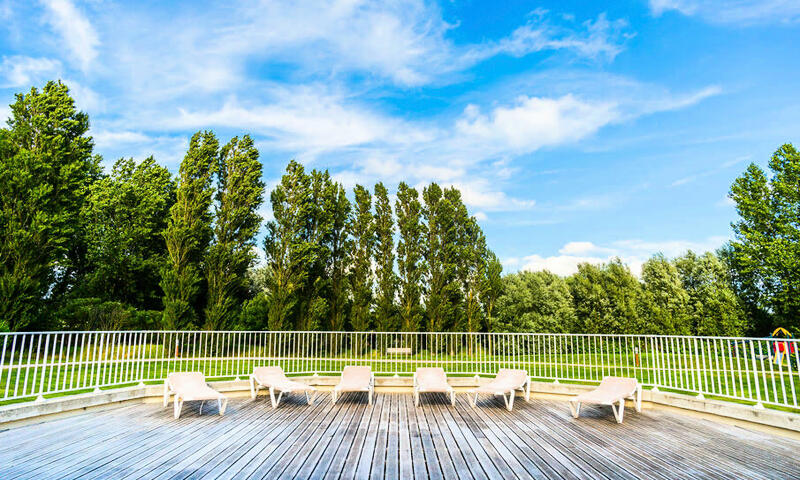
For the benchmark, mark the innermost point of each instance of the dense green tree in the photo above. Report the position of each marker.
(361, 226)
(664, 301)
(386, 279)
(285, 272)
(745, 285)
(534, 302)
(606, 297)
(189, 232)
(410, 263)
(337, 206)
(126, 215)
(767, 236)
(239, 196)
(46, 167)
(714, 308)
(255, 313)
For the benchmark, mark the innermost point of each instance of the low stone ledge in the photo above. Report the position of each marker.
(39, 410)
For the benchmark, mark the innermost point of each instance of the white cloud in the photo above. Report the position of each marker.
(21, 71)
(533, 122)
(733, 12)
(75, 30)
(481, 216)
(632, 252)
(583, 248)
(726, 201)
(106, 139)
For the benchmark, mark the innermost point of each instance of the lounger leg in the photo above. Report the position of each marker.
(638, 401)
(416, 398)
(474, 401)
(511, 400)
(166, 394)
(278, 401)
(272, 397)
(313, 396)
(201, 406)
(453, 398)
(333, 397)
(253, 391)
(177, 405)
(528, 390)
(222, 405)
(619, 411)
(369, 400)
(575, 408)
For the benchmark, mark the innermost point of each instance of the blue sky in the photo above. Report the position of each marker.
(576, 131)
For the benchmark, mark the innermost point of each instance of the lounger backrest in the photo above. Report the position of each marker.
(356, 374)
(269, 375)
(181, 381)
(617, 386)
(431, 376)
(511, 377)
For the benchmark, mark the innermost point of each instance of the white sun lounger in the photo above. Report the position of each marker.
(507, 381)
(611, 391)
(355, 379)
(432, 380)
(189, 387)
(273, 379)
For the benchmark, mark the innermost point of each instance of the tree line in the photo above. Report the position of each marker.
(138, 247)
(688, 295)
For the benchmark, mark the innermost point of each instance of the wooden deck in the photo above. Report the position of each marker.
(391, 439)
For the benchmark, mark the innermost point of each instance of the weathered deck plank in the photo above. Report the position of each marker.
(390, 439)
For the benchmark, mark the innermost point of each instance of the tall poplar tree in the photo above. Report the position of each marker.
(361, 226)
(189, 232)
(284, 243)
(410, 262)
(239, 195)
(314, 253)
(492, 285)
(471, 265)
(386, 279)
(338, 208)
(437, 304)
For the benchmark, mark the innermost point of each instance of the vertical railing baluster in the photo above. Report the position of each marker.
(11, 366)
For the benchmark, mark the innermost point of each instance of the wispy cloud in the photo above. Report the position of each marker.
(733, 12)
(76, 31)
(600, 38)
(21, 71)
(709, 172)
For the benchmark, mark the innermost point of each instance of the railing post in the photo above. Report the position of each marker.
(98, 359)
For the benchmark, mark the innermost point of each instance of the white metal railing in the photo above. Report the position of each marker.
(757, 370)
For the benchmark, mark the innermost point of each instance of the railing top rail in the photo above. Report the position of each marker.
(605, 335)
